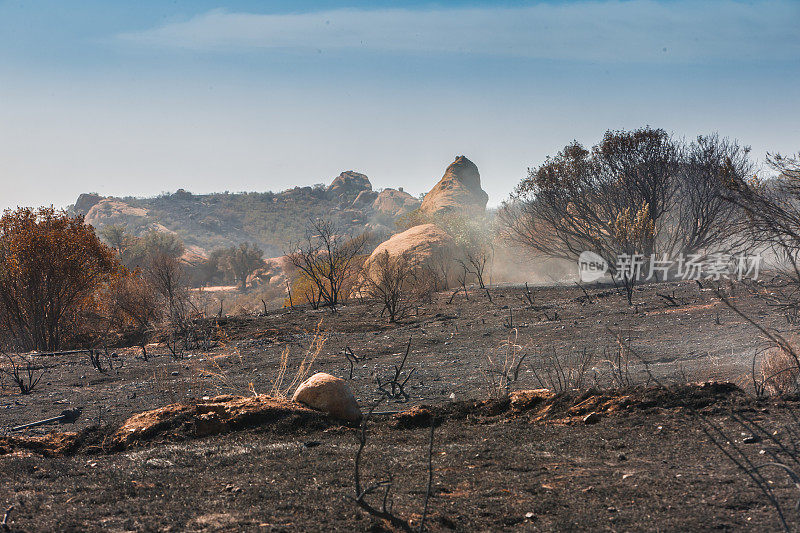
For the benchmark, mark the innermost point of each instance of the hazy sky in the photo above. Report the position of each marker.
(137, 98)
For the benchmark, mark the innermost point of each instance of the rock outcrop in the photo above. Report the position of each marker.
(113, 211)
(364, 199)
(85, 202)
(328, 394)
(275, 272)
(425, 244)
(272, 221)
(394, 203)
(349, 184)
(459, 190)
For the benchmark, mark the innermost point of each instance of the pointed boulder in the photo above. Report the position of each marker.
(459, 190)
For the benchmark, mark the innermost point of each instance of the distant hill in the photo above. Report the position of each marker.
(271, 220)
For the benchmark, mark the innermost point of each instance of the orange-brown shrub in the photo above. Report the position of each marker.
(779, 372)
(51, 266)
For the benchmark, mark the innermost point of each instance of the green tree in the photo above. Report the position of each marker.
(116, 236)
(243, 260)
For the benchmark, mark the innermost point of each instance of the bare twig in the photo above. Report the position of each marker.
(430, 477)
(670, 299)
(581, 287)
(397, 391)
(527, 296)
(352, 358)
(26, 381)
(4, 523)
(509, 323)
(385, 512)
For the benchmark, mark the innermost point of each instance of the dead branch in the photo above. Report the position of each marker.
(4, 523)
(25, 379)
(352, 358)
(527, 296)
(670, 299)
(385, 485)
(385, 512)
(397, 387)
(581, 287)
(509, 322)
(430, 477)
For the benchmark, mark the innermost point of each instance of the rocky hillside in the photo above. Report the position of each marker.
(271, 220)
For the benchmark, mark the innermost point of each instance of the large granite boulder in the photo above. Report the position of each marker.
(458, 191)
(425, 245)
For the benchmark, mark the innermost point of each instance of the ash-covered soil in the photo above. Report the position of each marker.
(646, 468)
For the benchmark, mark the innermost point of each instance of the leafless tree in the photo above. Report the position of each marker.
(166, 274)
(772, 207)
(474, 264)
(289, 292)
(640, 192)
(328, 258)
(439, 267)
(132, 305)
(474, 239)
(388, 278)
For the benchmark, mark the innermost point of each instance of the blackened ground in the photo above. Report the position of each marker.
(642, 470)
(645, 469)
(692, 338)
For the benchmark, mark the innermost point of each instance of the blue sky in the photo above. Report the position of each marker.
(137, 98)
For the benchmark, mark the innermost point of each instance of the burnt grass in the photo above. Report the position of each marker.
(647, 465)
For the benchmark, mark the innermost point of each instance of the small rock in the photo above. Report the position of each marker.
(592, 418)
(529, 516)
(175, 373)
(158, 462)
(329, 394)
(622, 457)
(752, 439)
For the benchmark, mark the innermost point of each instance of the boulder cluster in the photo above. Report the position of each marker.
(354, 192)
(457, 193)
